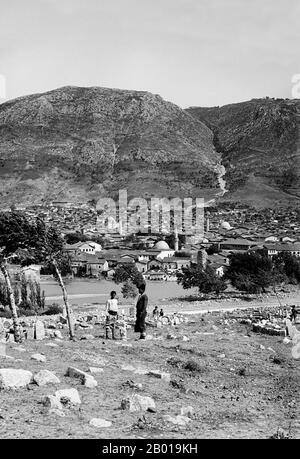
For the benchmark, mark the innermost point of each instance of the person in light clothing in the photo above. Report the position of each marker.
(111, 311)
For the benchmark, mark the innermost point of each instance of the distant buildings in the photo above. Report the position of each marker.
(275, 249)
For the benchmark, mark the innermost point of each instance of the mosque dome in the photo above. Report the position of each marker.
(225, 226)
(161, 245)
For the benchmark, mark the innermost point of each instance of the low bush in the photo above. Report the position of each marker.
(5, 314)
(53, 309)
(193, 366)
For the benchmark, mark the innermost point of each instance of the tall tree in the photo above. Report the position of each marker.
(206, 280)
(50, 250)
(16, 242)
(129, 290)
(251, 273)
(128, 271)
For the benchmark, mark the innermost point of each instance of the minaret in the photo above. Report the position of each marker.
(207, 225)
(176, 243)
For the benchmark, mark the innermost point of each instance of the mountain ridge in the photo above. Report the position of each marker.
(259, 141)
(80, 144)
(98, 140)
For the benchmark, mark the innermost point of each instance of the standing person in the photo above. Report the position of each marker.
(155, 313)
(111, 315)
(141, 312)
(293, 314)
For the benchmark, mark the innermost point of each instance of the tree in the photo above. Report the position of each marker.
(73, 238)
(289, 266)
(50, 250)
(23, 292)
(17, 236)
(252, 273)
(206, 279)
(129, 290)
(128, 271)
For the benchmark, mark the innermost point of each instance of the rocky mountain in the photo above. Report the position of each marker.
(79, 144)
(259, 142)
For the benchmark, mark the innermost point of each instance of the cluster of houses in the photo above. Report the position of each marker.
(274, 231)
(158, 261)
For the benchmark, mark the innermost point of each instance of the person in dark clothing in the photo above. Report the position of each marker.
(161, 313)
(155, 313)
(141, 312)
(293, 314)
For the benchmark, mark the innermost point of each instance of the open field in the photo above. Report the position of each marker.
(239, 383)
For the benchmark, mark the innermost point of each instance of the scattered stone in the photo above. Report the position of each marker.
(39, 358)
(11, 378)
(222, 356)
(39, 330)
(296, 351)
(177, 420)
(8, 357)
(30, 332)
(137, 402)
(57, 412)
(286, 340)
(68, 396)
(133, 385)
(90, 382)
(52, 402)
(86, 379)
(50, 334)
(171, 336)
(296, 338)
(51, 345)
(85, 325)
(58, 334)
(185, 339)
(44, 377)
(262, 347)
(20, 349)
(2, 349)
(161, 375)
(95, 370)
(100, 423)
(128, 368)
(87, 337)
(141, 371)
(63, 320)
(187, 411)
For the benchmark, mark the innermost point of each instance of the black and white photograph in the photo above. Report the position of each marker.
(149, 223)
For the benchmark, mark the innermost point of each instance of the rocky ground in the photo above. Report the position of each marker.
(212, 377)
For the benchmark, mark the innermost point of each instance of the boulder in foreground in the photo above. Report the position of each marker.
(137, 402)
(11, 378)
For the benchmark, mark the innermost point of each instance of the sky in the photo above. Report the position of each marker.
(191, 52)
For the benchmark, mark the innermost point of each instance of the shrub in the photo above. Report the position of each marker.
(192, 365)
(5, 314)
(26, 312)
(53, 309)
